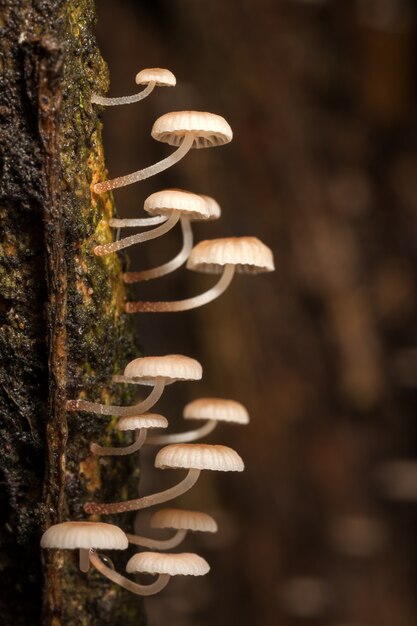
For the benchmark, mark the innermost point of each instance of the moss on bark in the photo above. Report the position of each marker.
(62, 327)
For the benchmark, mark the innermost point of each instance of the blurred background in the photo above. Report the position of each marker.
(321, 95)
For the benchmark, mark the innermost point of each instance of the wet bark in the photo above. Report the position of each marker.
(62, 330)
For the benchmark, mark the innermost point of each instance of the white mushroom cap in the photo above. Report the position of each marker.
(213, 207)
(216, 409)
(247, 254)
(199, 456)
(185, 564)
(145, 420)
(180, 519)
(209, 129)
(169, 200)
(158, 75)
(172, 367)
(73, 535)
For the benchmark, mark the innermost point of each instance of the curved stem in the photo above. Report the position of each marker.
(173, 158)
(158, 544)
(111, 102)
(122, 451)
(173, 264)
(84, 559)
(186, 437)
(115, 577)
(96, 508)
(189, 303)
(142, 222)
(108, 248)
(119, 411)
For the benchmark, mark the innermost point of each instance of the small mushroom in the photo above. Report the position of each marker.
(228, 255)
(157, 371)
(163, 565)
(140, 424)
(191, 456)
(213, 410)
(185, 129)
(84, 536)
(174, 204)
(212, 212)
(152, 77)
(180, 520)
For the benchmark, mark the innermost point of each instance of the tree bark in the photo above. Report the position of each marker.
(62, 330)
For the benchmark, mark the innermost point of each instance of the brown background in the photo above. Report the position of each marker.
(323, 166)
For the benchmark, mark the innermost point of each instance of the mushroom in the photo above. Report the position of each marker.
(140, 424)
(187, 235)
(84, 536)
(180, 520)
(173, 203)
(228, 255)
(87, 537)
(213, 410)
(157, 371)
(185, 129)
(152, 77)
(191, 456)
(165, 565)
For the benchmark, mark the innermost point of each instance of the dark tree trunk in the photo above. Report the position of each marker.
(62, 329)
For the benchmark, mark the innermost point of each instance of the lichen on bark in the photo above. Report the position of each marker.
(62, 326)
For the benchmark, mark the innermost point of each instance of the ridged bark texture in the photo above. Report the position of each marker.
(62, 329)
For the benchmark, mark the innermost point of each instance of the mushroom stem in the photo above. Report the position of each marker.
(173, 264)
(134, 447)
(158, 544)
(173, 158)
(186, 437)
(97, 508)
(108, 248)
(84, 559)
(111, 102)
(189, 303)
(142, 222)
(120, 411)
(115, 577)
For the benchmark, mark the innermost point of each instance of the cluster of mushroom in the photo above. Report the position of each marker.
(165, 208)
(88, 537)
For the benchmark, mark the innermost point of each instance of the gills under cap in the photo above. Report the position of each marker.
(87, 535)
(172, 367)
(168, 200)
(248, 254)
(181, 519)
(158, 75)
(185, 564)
(209, 129)
(216, 409)
(199, 456)
(145, 420)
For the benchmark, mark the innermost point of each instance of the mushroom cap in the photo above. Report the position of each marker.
(185, 564)
(73, 535)
(168, 200)
(213, 207)
(172, 367)
(145, 420)
(209, 129)
(180, 519)
(247, 254)
(216, 409)
(200, 456)
(158, 75)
